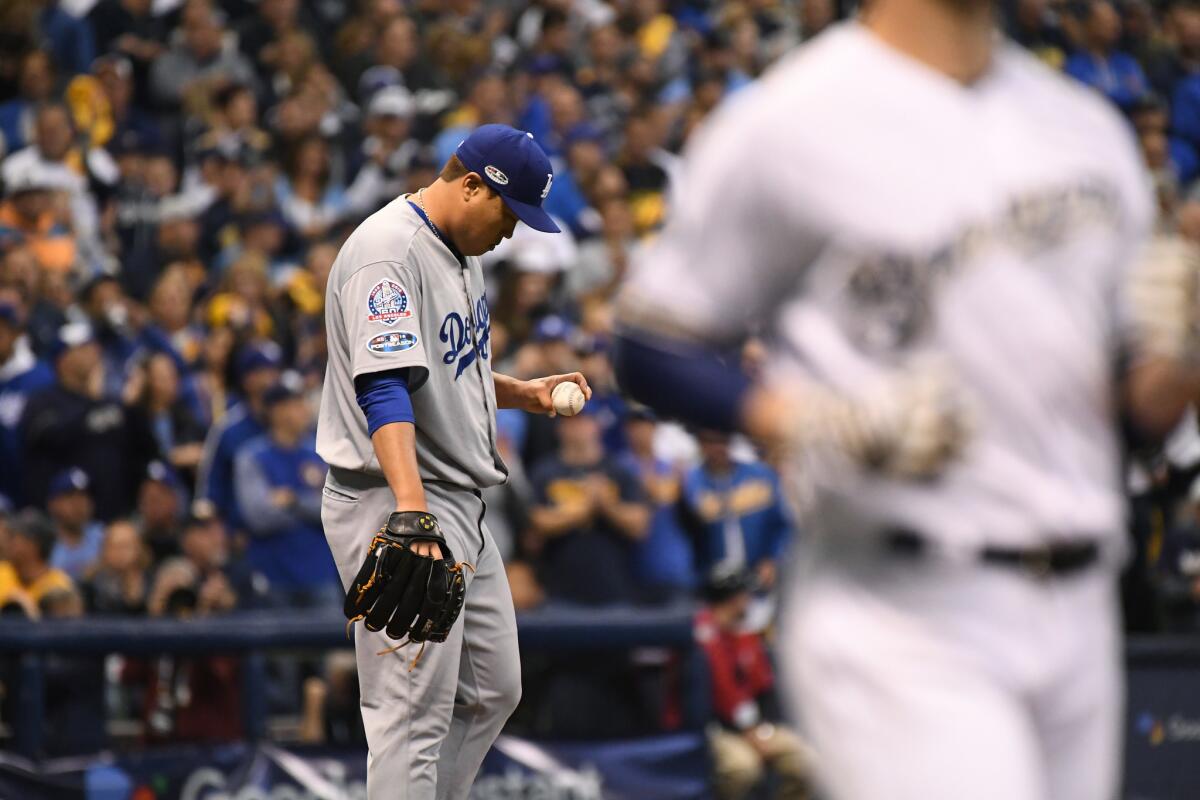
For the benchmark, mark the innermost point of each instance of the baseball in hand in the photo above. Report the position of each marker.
(567, 398)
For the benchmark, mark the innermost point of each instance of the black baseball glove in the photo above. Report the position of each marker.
(404, 593)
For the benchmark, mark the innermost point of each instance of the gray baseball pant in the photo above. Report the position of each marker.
(429, 727)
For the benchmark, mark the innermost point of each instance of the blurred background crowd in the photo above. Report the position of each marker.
(177, 178)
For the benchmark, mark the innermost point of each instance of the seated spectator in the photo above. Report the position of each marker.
(735, 511)
(79, 536)
(589, 512)
(222, 581)
(311, 201)
(332, 715)
(74, 688)
(68, 37)
(131, 30)
(160, 508)
(747, 738)
(187, 699)
(279, 478)
(1034, 27)
(120, 584)
(177, 432)
(21, 375)
(28, 218)
(607, 402)
(199, 61)
(1099, 64)
(649, 171)
(257, 369)
(26, 576)
(73, 423)
(107, 309)
(387, 152)
(83, 172)
(35, 84)
(235, 122)
(664, 560)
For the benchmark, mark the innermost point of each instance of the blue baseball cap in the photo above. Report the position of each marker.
(69, 480)
(10, 313)
(265, 354)
(70, 335)
(160, 472)
(515, 167)
(552, 328)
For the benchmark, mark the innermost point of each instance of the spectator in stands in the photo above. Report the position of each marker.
(187, 699)
(1032, 25)
(177, 431)
(1099, 64)
(29, 219)
(664, 560)
(257, 367)
(648, 170)
(132, 127)
(21, 375)
(160, 507)
(131, 29)
(73, 423)
(74, 687)
(200, 61)
(35, 85)
(79, 537)
(71, 165)
(107, 309)
(68, 37)
(222, 581)
(26, 576)
(386, 154)
(259, 36)
(311, 201)
(589, 513)
(747, 738)
(735, 511)
(120, 583)
(278, 479)
(487, 101)
(1175, 54)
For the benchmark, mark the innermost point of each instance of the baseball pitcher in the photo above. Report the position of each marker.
(408, 428)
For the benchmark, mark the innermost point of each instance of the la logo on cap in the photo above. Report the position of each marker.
(549, 180)
(496, 175)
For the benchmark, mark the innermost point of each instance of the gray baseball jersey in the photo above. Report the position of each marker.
(398, 298)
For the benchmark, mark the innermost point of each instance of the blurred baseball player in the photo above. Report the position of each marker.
(408, 428)
(936, 234)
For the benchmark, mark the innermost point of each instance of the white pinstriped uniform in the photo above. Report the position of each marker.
(863, 210)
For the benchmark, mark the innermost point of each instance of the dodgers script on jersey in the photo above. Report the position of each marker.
(864, 211)
(397, 298)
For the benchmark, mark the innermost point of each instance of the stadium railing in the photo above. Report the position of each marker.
(253, 634)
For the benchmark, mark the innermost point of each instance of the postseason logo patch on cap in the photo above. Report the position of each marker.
(496, 175)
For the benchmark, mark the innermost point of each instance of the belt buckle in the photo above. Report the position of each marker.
(1038, 562)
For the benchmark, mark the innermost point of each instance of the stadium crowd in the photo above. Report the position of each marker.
(177, 178)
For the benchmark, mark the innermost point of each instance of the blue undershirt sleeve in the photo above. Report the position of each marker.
(687, 382)
(384, 399)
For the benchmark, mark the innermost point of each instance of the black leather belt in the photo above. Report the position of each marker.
(1059, 559)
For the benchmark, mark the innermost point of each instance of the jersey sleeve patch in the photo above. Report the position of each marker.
(387, 302)
(395, 342)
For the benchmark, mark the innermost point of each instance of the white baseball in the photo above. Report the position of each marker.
(567, 398)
